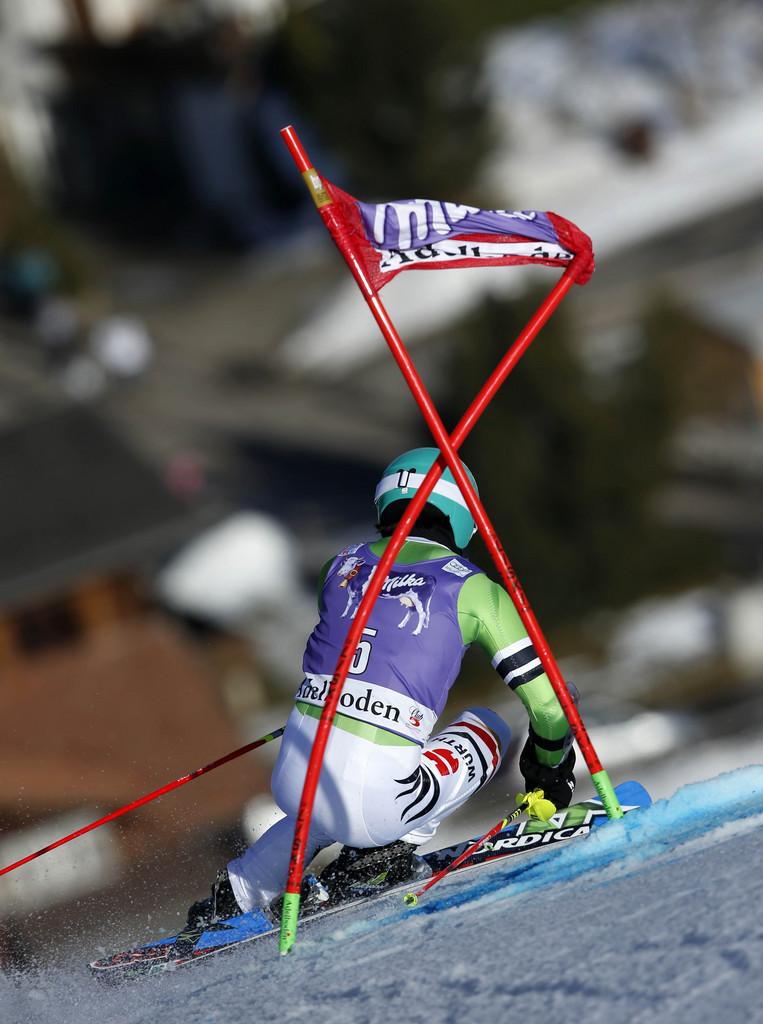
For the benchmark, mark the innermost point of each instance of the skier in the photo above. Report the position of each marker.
(386, 782)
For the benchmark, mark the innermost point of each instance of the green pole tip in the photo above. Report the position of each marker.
(606, 792)
(410, 899)
(289, 916)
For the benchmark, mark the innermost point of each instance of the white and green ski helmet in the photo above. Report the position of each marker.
(405, 474)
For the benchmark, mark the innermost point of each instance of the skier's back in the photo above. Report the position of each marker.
(386, 782)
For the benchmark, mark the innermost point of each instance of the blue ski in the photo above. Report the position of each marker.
(195, 945)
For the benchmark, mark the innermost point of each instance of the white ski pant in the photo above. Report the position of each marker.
(368, 794)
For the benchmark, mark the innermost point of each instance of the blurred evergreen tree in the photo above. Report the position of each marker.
(394, 89)
(569, 471)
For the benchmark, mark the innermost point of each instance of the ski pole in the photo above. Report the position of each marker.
(145, 799)
(533, 802)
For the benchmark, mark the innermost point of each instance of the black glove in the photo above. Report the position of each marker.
(558, 783)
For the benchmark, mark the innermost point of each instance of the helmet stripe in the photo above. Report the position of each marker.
(413, 481)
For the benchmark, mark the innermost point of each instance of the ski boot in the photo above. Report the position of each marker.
(360, 872)
(218, 906)
(313, 896)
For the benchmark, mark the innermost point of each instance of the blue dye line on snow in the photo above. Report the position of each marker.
(640, 837)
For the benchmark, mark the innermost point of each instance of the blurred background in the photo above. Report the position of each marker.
(195, 403)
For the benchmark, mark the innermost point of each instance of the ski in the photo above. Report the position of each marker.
(190, 947)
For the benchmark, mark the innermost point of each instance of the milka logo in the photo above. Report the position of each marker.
(411, 591)
(417, 218)
(395, 582)
(401, 225)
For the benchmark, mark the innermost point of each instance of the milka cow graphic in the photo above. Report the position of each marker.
(411, 591)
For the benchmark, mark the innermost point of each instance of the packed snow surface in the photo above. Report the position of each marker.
(653, 918)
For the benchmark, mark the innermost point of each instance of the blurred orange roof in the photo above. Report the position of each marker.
(120, 714)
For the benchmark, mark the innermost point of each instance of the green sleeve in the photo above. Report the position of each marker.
(488, 618)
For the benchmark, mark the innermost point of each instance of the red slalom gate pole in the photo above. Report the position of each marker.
(448, 447)
(143, 800)
(325, 206)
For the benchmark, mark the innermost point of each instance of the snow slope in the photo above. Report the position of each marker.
(654, 918)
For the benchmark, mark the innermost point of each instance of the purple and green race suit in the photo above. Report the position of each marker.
(433, 605)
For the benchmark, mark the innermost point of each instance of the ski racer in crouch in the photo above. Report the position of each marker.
(387, 782)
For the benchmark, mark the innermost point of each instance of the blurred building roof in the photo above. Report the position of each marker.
(76, 500)
(119, 714)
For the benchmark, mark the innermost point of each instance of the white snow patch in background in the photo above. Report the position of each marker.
(232, 568)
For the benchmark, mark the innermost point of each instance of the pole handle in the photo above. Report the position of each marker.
(536, 806)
